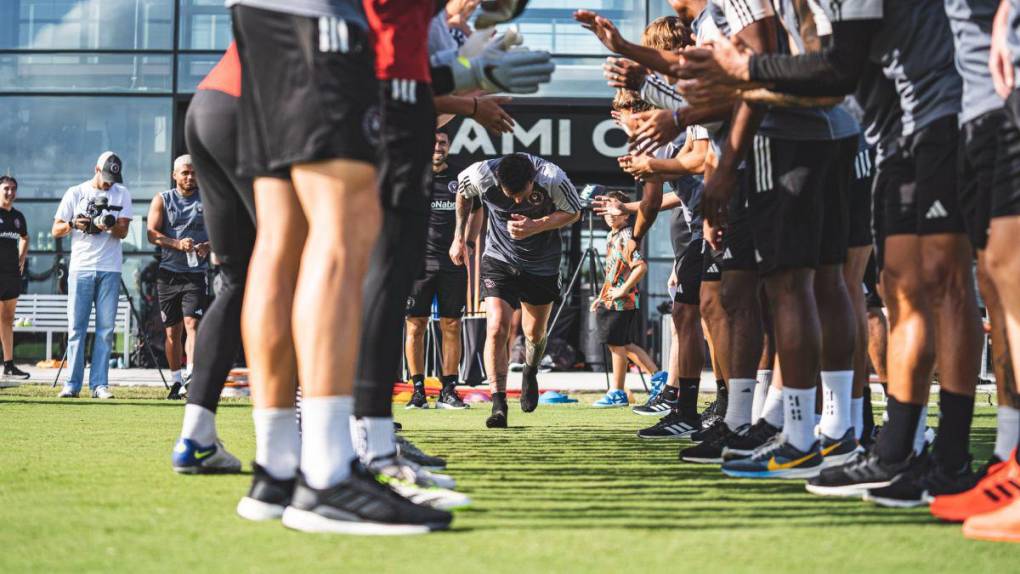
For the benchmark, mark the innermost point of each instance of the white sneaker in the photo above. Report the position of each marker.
(419, 485)
(102, 392)
(67, 393)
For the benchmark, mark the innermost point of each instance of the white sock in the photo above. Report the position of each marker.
(837, 389)
(739, 403)
(188, 369)
(1007, 421)
(373, 437)
(772, 412)
(858, 417)
(760, 391)
(199, 425)
(176, 376)
(798, 422)
(326, 448)
(277, 441)
(922, 426)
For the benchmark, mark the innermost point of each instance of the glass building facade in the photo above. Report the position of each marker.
(78, 77)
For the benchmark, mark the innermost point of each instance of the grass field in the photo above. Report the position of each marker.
(86, 486)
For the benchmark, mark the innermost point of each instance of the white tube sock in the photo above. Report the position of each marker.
(837, 388)
(739, 403)
(176, 376)
(760, 391)
(199, 425)
(1007, 422)
(922, 427)
(373, 437)
(798, 417)
(326, 448)
(772, 412)
(277, 441)
(858, 417)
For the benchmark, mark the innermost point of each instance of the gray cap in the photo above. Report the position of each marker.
(110, 167)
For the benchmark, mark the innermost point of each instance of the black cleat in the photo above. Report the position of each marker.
(672, 426)
(857, 476)
(360, 504)
(175, 392)
(743, 445)
(657, 406)
(418, 399)
(713, 413)
(267, 497)
(710, 449)
(925, 480)
(407, 450)
(529, 389)
(448, 399)
(497, 420)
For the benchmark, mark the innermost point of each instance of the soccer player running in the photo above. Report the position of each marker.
(176, 225)
(440, 279)
(13, 253)
(528, 201)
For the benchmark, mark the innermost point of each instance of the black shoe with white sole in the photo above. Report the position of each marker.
(672, 426)
(448, 399)
(710, 450)
(658, 406)
(267, 497)
(857, 476)
(418, 399)
(360, 504)
(14, 373)
(926, 479)
(757, 435)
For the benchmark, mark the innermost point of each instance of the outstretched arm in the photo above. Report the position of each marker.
(606, 32)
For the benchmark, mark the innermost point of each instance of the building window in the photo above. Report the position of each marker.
(86, 24)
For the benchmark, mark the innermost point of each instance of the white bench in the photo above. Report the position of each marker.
(48, 314)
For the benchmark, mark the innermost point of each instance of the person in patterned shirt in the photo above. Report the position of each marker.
(616, 307)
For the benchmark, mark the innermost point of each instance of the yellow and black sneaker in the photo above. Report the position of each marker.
(777, 459)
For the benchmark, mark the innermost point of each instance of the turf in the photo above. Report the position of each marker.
(86, 486)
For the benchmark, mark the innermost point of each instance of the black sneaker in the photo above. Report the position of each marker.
(925, 480)
(418, 399)
(13, 372)
(497, 420)
(857, 476)
(448, 399)
(983, 471)
(529, 389)
(709, 450)
(175, 392)
(657, 406)
(407, 450)
(713, 413)
(837, 451)
(741, 446)
(360, 504)
(267, 497)
(672, 426)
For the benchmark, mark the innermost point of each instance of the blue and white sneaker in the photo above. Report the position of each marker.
(191, 458)
(658, 383)
(777, 459)
(616, 398)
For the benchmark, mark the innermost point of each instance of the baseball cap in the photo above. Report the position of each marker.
(110, 166)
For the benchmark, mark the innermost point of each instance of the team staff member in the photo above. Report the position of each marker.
(528, 200)
(177, 226)
(440, 278)
(13, 251)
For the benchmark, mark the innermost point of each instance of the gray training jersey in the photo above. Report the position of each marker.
(351, 11)
(971, 23)
(1013, 36)
(553, 191)
(182, 219)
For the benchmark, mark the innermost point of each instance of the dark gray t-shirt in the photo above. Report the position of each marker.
(349, 10)
(553, 191)
(971, 23)
(183, 218)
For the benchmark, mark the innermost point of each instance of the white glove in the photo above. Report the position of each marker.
(498, 11)
(483, 40)
(520, 71)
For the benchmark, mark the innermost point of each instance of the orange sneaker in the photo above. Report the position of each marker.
(999, 488)
(1002, 525)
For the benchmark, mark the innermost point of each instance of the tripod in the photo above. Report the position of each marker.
(595, 270)
(143, 338)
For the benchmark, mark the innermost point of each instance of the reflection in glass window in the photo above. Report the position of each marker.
(51, 143)
(87, 24)
(550, 25)
(205, 25)
(192, 68)
(77, 72)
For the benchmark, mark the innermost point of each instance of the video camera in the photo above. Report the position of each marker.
(589, 192)
(98, 213)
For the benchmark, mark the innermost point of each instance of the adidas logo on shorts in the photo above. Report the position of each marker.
(936, 211)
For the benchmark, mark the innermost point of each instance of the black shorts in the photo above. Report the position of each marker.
(407, 136)
(181, 295)
(502, 281)
(615, 327)
(689, 267)
(1006, 188)
(711, 264)
(10, 287)
(448, 286)
(915, 189)
(308, 91)
(796, 194)
(859, 199)
(737, 252)
(872, 298)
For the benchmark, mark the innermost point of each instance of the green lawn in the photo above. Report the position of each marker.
(86, 486)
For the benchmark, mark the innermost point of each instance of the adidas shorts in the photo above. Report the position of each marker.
(915, 190)
(1006, 188)
(737, 253)
(449, 287)
(614, 327)
(859, 198)
(502, 281)
(711, 264)
(689, 266)
(308, 91)
(180, 295)
(796, 194)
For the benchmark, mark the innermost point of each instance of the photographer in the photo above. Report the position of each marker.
(13, 251)
(176, 225)
(96, 214)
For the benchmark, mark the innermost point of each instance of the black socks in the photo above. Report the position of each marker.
(418, 381)
(896, 441)
(687, 402)
(952, 443)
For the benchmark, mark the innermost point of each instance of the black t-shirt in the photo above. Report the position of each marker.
(12, 228)
(442, 221)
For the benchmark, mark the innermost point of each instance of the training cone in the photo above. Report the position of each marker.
(555, 398)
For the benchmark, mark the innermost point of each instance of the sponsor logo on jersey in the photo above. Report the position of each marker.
(444, 205)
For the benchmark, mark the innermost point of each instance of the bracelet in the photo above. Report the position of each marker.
(474, 111)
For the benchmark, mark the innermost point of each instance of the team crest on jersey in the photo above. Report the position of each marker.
(371, 125)
(452, 187)
(17, 223)
(410, 302)
(536, 197)
(489, 283)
